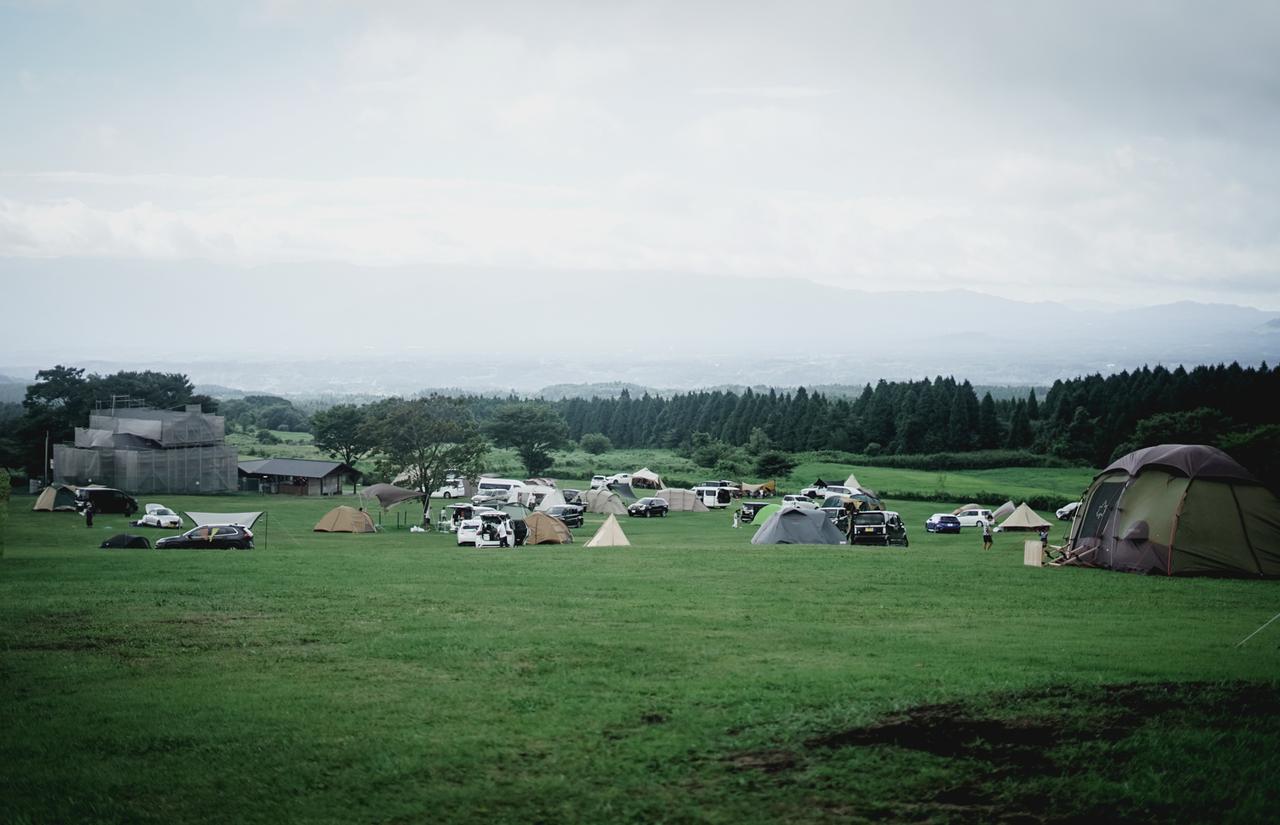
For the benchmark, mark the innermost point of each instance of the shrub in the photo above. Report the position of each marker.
(267, 437)
(595, 443)
(774, 464)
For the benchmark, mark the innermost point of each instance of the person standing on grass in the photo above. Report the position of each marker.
(88, 514)
(986, 534)
(737, 519)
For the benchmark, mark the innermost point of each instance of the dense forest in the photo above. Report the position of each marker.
(1086, 419)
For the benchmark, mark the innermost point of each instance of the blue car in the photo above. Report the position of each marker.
(942, 523)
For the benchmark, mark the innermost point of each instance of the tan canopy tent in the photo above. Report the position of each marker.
(345, 519)
(609, 535)
(685, 501)
(545, 529)
(646, 479)
(963, 507)
(56, 498)
(1004, 510)
(603, 501)
(768, 488)
(1024, 518)
(389, 495)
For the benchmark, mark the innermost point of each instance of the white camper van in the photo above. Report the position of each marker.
(504, 488)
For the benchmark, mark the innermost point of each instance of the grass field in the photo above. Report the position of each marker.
(692, 677)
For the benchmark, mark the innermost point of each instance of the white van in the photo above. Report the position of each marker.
(453, 487)
(504, 488)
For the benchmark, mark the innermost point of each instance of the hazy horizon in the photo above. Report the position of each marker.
(276, 180)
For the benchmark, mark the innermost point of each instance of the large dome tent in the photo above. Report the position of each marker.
(1178, 510)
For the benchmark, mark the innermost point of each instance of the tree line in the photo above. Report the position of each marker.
(1084, 419)
(1087, 420)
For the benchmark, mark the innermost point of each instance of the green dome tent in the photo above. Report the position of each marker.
(1178, 510)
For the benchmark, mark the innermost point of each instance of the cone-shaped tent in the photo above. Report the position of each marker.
(685, 501)
(545, 529)
(646, 479)
(1003, 511)
(389, 495)
(1178, 510)
(609, 535)
(56, 497)
(1023, 518)
(603, 501)
(345, 519)
(794, 526)
(852, 482)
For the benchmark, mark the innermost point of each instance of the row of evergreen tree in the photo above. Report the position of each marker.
(1084, 419)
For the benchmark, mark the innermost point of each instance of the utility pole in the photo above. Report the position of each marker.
(46, 458)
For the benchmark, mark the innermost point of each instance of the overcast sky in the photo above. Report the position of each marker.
(1110, 151)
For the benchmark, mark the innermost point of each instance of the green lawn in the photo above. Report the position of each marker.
(690, 677)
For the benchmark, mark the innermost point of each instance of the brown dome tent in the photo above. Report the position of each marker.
(1178, 510)
(545, 529)
(603, 501)
(685, 501)
(56, 498)
(345, 519)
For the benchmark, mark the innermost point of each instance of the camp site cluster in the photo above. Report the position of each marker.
(1172, 509)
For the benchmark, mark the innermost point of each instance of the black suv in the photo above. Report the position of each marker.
(210, 536)
(649, 507)
(878, 527)
(106, 500)
(570, 514)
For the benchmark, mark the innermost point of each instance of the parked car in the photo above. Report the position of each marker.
(942, 523)
(502, 489)
(1067, 512)
(713, 496)
(570, 514)
(803, 502)
(598, 481)
(883, 527)
(210, 536)
(489, 529)
(571, 496)
(749, 510)
(157, 515)
(648, 507)
(974, 518)
(106, 500)
(825, 492)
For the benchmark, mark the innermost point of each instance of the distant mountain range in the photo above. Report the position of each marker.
(337, 330)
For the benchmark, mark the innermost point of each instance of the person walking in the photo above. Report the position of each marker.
(986, 534)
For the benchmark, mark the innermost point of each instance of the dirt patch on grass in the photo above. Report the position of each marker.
(1020, 756)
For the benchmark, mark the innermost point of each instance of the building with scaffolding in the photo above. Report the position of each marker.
(144, 450)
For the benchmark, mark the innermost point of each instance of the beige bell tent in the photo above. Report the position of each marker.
(603, 501)
(609, 535)
(684, 501)
(852, 482)
(345, 519)
(1004, 510)
(963, 507)
(56, 498)
(545, 529)
(1024, 518)
(646, 479)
